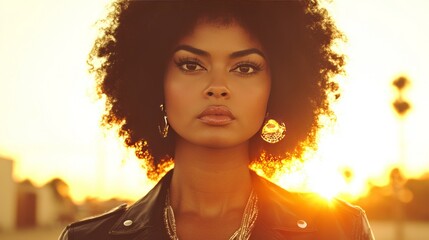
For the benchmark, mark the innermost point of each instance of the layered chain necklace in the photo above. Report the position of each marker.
(242, 233)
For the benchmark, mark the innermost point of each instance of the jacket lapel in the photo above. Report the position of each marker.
(282, 215)
(143, 220)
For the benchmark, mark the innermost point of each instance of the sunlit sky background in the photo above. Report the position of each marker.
(49, 116)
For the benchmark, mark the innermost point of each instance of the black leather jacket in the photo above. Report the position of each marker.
(282, 215)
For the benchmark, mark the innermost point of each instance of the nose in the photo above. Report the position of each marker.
(217, 89)
(217, 92)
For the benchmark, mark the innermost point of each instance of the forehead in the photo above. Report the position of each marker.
(211, 36)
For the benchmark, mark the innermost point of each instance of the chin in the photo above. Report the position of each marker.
(221, 142)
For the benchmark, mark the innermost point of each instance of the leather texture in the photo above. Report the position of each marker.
(282, 215)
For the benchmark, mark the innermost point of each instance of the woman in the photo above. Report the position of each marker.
(212, 85)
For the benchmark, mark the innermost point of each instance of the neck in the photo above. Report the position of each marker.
(210, 181)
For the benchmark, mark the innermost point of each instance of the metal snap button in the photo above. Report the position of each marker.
(301, 224)
(128, 223)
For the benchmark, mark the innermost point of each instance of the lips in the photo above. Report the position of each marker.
(216, 116)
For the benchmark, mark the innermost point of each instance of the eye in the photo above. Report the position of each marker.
(190, 65)
(246, 68)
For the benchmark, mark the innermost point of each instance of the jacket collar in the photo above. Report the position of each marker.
(280, 211)
(146, 214)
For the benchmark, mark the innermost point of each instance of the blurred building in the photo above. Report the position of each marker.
(24, 205)
(8, 195)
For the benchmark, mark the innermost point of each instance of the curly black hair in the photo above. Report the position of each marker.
(129, 60)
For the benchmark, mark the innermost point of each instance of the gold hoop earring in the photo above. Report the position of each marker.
(273, 132)
(163, 130)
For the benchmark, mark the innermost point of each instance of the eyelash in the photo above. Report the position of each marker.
(187, 60)
(257, 67)
(181, 62)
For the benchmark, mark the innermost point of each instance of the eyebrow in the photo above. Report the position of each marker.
(246, 52)
(237, 54)
(193, 50)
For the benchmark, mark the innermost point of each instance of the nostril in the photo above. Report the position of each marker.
(223, 94)
(210, 94)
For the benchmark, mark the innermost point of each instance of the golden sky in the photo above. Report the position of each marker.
(49, 119)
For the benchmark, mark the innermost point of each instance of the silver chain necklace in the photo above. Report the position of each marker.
(242, 233)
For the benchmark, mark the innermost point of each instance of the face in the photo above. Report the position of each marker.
(217, 86)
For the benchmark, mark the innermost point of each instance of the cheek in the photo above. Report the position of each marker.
(172, 88)
(259, 104)
(179, 96)
(174, 99)
(259, 95)
(263, 93)
(254, 103)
